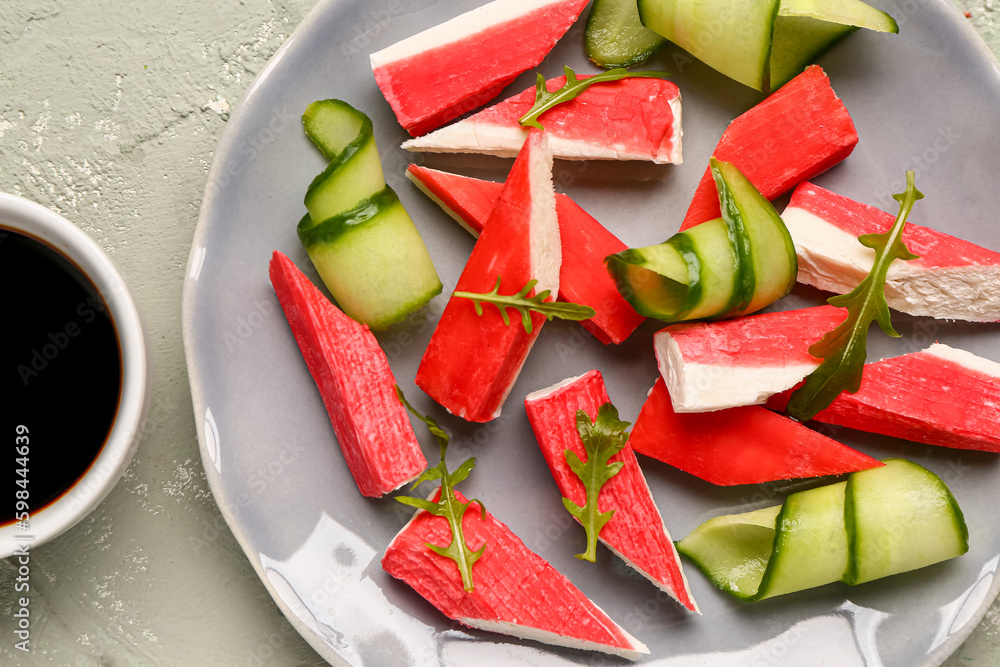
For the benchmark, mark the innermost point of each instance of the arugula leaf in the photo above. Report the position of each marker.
(448, 504)
(602, 439)
(843, 350)
(524, 305)
(544, 100)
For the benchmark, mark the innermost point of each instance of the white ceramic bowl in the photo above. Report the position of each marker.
(20, 215)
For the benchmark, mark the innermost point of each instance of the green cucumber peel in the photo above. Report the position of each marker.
(930, 529)
(448, 504)
(602, 439)
(525, 305)
(843, 350)
(745, 282)
(682, 243)
(544, 100)
(312, 232)
(366, 133)
(747, 545)
(761, 44)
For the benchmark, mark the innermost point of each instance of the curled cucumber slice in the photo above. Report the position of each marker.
(726, 267)
(760, 43)
(880, 522)
(363, 243)
(900, 520)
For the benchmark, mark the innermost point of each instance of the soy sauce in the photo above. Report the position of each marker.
(62, 372)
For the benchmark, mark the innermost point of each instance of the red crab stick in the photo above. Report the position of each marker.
(585, 243)
(515, 591)
(356, 383)
(796, 133)
(951, 278)
(938, 396)
(459, 65)
(468, 200)
(472, 360)
(745, 445)
(715, 365)
(636, 532)
(630, 119)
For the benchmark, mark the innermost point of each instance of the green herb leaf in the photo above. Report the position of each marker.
(525, 305)
(844, 349)
(448, 504)
(544, 100)
(602, 439)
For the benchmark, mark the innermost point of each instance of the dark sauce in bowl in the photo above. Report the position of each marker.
(62, 371)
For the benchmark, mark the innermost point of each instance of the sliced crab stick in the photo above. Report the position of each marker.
(355, 381)
(461, 64)
(515, 591)
(585, 243)
(716, 365)
(796, 133)
(951, 278)
(636, 532)
(938, 396)
(473, 360)
(744, 445)
(628, 119)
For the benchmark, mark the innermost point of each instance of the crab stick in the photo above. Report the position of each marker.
(716, 365)
(628, 119)
(452, 68)
(636, 532)
(951, 278)
(743, 445)
(515, 591)
(355, 381)
(796, 133)
(585, 243)
(938, 396)
(473, 360)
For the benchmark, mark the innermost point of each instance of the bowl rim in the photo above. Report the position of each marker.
(18, 214)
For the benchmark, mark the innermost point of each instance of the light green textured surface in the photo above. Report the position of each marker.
(110, 113)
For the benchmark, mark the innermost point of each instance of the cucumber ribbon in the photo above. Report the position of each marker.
(760, 43)
(359, 237)
(883, 521)
(730, 266)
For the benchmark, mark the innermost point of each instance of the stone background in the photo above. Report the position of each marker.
(110, 113)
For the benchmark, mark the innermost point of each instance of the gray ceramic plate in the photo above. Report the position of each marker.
(926, 99)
